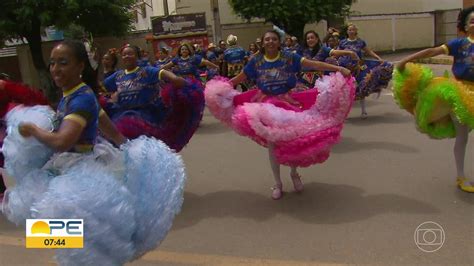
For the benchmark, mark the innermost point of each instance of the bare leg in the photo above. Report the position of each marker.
(296, 178)
(462, 132)
(277, 190)
(363, 114)
(462, 136)
(294, 171)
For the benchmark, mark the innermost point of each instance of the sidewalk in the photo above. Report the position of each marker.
(440, 60)
(397, 56)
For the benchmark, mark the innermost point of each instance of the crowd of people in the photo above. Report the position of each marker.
(110, 148)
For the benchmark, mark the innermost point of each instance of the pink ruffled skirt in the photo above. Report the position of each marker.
(302, 134)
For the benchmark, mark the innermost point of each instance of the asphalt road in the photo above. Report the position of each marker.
(362, 206)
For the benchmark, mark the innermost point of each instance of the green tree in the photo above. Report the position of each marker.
(28, 18)
(291, 15)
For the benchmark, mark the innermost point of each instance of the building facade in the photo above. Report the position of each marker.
(386, 25)
(405, 24)
(143, 10)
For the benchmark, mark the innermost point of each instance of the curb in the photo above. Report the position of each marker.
(436, 61)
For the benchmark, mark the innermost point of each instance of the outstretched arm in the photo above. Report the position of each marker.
(168, 76)
(167, 65)
(427, 53)
(338, 53)
(241, 77)
(208, 63)
(317, 65)
(369, 51)
(109, 130)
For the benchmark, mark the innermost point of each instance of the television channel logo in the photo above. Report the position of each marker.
(54, 233)
(429, 236)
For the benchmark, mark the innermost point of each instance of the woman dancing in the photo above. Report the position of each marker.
(312, 49)
(443, 107)
(186, 64)
(297, 128)
(142, 105)
(62, 170)
(371, 76)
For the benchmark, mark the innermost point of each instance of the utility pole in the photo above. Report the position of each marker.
(217, 21)
(165, 7)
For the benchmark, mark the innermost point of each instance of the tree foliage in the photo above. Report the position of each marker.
(291, 15)
(27, 18)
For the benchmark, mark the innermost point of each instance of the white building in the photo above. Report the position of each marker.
(403, 24)
(143, 10)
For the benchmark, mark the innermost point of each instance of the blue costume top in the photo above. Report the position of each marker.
(187, 66)
(201, 53)
(292, 49)
(108, 74)
(356, 45)
(308, 53)
(323, 53)
(211, 56)
(462, 49)
(137, 90)
(235, 58)
(274, 76)
(161, 62)
(80, 104)
(143, 62)
(235, 55)
(308, 76)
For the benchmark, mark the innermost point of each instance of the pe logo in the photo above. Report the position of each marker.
(54, 233)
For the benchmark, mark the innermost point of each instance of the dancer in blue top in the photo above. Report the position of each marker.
(314, 50)
(235, 58)
(141, 105)
(186, 63)
(371, 76)
(109, 62)
(297, 128)
(163, 58)
(63, 170)
(144, 59)
(442, 106)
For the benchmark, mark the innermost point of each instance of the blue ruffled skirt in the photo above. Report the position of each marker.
(128, 197)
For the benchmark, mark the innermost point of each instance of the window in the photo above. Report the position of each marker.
(143, 10)
(135, 16)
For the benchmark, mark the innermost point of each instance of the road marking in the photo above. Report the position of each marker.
(12, 241)
(206, 259)
(192, 258)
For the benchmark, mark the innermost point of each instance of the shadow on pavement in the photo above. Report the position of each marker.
(319, 204)
(212, 128)
(348, 144)
(387, 118)
(465, 196)
(369, 102)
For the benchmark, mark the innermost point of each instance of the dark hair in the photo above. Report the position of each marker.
(113, 55)
(187, 45)
(4, 76)
(163, 50)
(89, 75)
(314, 50)
(262, 49)
(333, 37)
(135, 48)
(462, 18)
(255, 45)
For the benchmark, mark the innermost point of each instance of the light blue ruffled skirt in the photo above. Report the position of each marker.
(128, 197)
